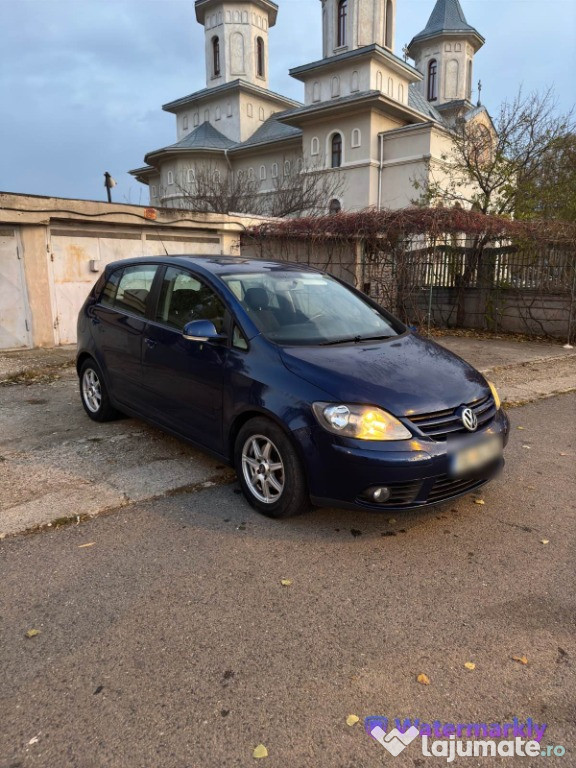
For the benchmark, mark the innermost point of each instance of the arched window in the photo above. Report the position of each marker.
(287, 168)
(262, 173)
(469, 80)
(334, 206)
(314, 146)
(215, 57)
(336, 150)
(259, 57)
(355, 137)
(389, 24)
(341, 30)
(274, 170)
(432, 80)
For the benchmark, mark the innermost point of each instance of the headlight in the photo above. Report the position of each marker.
(495, 394)
(364, 422)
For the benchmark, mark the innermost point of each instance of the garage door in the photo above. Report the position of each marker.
(14, 322)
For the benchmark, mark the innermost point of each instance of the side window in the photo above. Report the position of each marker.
(109, 291)
(238, 340)
(128, 289)
(133, 289)
(184, 298)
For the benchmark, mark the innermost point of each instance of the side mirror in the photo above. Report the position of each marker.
(202, 330)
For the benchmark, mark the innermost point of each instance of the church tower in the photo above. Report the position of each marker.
(444, 53)
(236, 39)
(350, 24)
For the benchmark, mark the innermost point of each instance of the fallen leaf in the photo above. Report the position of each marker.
(520, 659)
(32, 632)
(545, 541)
(2, 536)
(352, 719)
(520, 427)
(470, 665)
(90, 544)
(479, 501)
(392, 520)
(260, 751)
(528, 447)
(564, 454)
(34, 740)
(286, 582)
(423, 679)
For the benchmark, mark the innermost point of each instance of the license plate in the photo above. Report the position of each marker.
(476, 456)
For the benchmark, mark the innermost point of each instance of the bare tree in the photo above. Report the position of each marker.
(491, 168)
(293, 192)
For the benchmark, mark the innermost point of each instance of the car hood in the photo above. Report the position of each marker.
(405, 375)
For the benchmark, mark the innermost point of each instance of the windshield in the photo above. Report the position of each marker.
(297, 308)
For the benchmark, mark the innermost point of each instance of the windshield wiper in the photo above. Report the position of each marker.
(355, 339)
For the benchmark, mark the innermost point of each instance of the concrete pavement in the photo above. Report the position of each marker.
(170, 642)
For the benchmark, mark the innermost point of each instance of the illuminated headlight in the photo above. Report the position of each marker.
(495, 394)
(364, 422)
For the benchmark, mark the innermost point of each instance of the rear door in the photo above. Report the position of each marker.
(118, 321)
(183, 380)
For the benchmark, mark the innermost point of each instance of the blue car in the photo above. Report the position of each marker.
(312, 391)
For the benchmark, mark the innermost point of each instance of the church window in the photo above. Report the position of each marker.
(191, 175)
(336, 145)
(262, 173)
(390, 87)
(207, 115)
(389, 24)
(335, 206)
(314, 146)
(354, 81)
(469, 79)
(342, 13)
(400, 92)
(218, 114)
(216, 177)
(170, 177)
(216, 57)
(261, 114)
(196, 118)
(355, 137)
(249, 109)
(259, 57)
(432, 80)
(335, 86)
(287, 168)
(457, 47)
(251, 174)
(185, 123)
(316, 91)
(229, 109)
(274, 170)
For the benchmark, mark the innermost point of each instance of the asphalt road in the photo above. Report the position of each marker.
(170, 642)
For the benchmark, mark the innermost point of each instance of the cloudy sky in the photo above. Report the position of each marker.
(82, 82)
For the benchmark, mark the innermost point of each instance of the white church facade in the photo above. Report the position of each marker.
(370, 120)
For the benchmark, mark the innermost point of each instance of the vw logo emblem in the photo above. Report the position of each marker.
(469, 419)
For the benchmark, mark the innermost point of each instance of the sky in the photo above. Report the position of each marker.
(82, 82)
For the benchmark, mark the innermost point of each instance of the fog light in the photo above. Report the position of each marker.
(380, 494)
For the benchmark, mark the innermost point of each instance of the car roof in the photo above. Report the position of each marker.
(215, 264)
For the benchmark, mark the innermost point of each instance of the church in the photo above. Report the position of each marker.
(372, 126)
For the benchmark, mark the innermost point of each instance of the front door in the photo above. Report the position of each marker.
(183, 379)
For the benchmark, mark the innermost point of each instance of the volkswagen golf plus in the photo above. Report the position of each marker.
(312, 391)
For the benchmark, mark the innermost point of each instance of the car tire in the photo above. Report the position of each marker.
(94, 394)
(270, 472)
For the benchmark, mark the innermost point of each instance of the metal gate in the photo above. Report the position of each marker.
(14, 311)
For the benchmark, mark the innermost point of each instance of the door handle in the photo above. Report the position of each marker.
(150, 343)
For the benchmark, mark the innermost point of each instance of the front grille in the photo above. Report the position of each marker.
(445, 487)
(442, 423)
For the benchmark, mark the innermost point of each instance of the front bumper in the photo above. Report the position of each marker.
(416, 471)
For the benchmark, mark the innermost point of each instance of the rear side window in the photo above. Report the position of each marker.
(128, 289)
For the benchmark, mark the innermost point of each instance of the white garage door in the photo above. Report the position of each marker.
(14, 322)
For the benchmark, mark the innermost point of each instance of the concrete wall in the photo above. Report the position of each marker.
(52, 250)
(510, 311)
